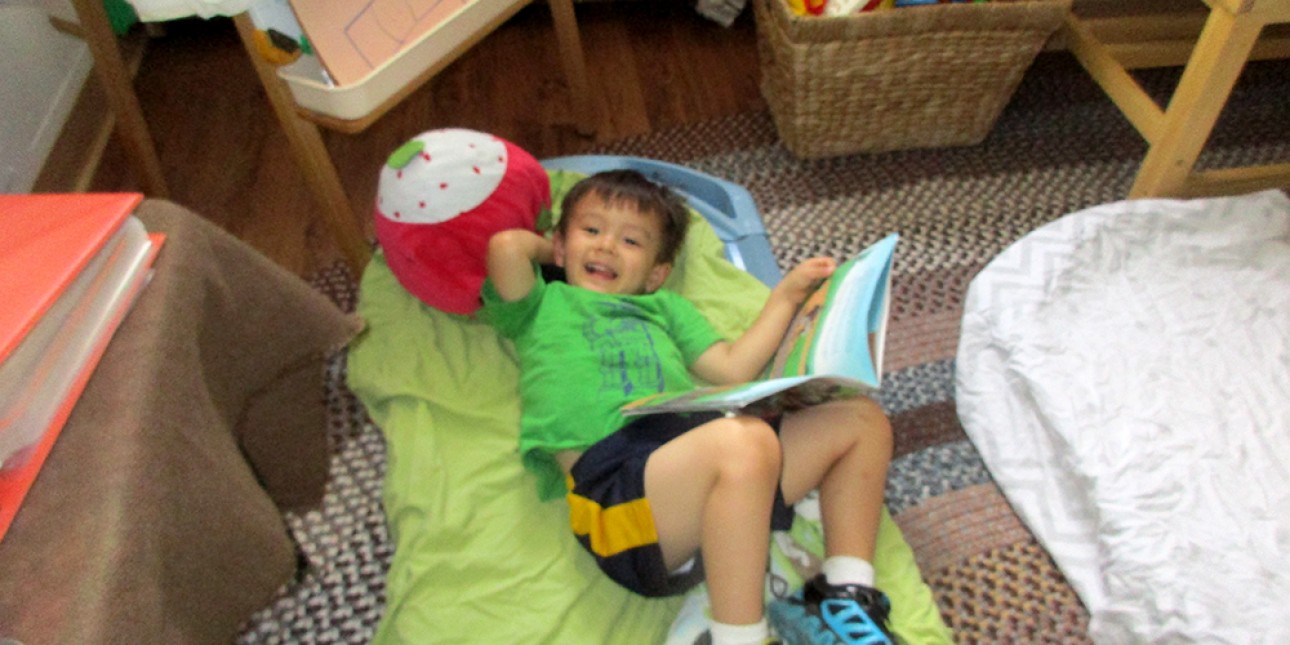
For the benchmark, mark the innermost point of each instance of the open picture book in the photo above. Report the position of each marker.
(832, 349)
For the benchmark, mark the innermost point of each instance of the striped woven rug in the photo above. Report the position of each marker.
(1059, 146)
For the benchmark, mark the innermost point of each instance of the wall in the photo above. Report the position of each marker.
(42, 71)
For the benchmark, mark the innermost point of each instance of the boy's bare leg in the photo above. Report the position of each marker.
(711, 490)
(843, 448)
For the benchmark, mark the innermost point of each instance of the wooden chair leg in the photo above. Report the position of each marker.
(1207, 81)
(118, 84)
(575, 65)
(311, 157)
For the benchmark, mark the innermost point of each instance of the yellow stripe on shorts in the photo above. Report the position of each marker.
(615, 529)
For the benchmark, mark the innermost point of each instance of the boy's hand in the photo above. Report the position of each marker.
(802, 280)
(511, 254)
(744, 358)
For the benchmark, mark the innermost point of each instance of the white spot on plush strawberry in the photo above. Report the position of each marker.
(414, 181)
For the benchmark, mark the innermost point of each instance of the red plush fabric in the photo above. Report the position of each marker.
(442, 195)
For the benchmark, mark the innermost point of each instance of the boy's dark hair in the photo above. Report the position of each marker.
(646, 196)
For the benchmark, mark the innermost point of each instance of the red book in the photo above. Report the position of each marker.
(47, 240)
(70, 266)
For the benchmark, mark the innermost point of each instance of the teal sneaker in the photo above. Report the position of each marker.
(824, 614)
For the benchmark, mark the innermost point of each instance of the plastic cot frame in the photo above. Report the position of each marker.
(727, 206)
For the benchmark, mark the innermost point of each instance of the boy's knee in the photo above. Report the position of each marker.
(750, 445)
(871, 423)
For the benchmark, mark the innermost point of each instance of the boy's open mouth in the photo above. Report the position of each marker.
(600, 271)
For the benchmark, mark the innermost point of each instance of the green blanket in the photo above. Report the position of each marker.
(477, 558)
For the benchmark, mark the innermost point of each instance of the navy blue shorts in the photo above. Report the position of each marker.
(611, 518)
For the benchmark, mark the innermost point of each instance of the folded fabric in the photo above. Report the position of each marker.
(162, 10)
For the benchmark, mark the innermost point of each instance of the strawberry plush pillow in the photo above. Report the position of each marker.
(441, 196)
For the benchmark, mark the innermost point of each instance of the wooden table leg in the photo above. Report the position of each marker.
(574, 63)
(1206, 83)
(118, 84)
(311, 157)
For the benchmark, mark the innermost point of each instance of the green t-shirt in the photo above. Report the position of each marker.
(583, 355)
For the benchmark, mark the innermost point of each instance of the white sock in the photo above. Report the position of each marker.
(754, 634)
(847, 570)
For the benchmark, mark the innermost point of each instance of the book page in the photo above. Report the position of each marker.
(831, 349)
(793, 356)
(710, 398)
(854, 323)
(840, 328)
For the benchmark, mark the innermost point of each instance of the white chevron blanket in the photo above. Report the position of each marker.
(1125, 373)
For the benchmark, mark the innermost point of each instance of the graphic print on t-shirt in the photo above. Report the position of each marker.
(629, 361)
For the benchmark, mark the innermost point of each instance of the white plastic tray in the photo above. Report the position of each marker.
(312, 90)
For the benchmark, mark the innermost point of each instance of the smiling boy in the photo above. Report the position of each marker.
(665, 501)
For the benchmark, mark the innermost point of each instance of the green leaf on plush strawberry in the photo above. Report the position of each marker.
(405, 154)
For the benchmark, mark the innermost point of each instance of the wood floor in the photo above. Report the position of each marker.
(651, 64)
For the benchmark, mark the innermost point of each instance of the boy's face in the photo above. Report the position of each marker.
(611, 247)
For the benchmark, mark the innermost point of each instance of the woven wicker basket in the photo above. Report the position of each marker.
(917, 77)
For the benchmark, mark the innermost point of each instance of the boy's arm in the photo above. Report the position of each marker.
(511, 254)
(744, 358)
